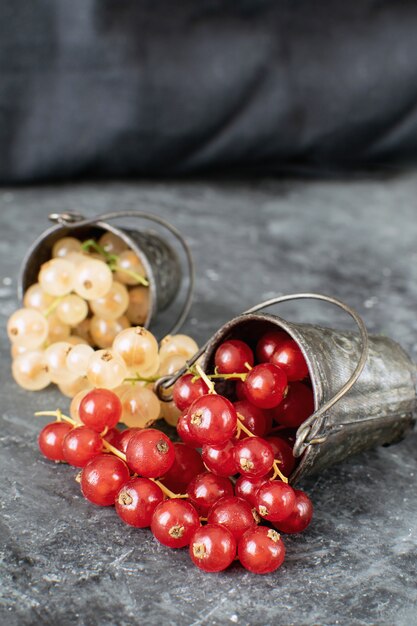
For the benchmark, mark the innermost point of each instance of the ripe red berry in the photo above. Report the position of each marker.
(99, 409)
(289, 357)
(188, 463)
(183, 430)
(102, 478)
(234, 513)
(113, 436)
(261, 550)
(81, 445)
(212, 548)
(282, 453)
(50, 440)
(150, 453)
(300, 517)
(174, 522)
(206, 488)
(268, 343)
(231, 357)
(246, 487)
(125, 436)
(265, 385)
(254, 417)
(187, 390)
(137, 500)
(296, 407)
(275, 500)
(212, 419)
(220, 459)
(254, 456)
(240, 390)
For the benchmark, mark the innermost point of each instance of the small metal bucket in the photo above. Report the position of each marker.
(160, 260)
(376, 404)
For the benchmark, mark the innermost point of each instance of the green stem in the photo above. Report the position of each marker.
(141, 379)
(52, 306)
(112, 261)
(139, 279)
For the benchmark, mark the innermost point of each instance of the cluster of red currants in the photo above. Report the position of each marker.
(238, 481)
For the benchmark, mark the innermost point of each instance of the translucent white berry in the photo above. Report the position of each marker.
(93, 279)
(106, 369)
(57, 277)
(27, 328)
(30, 371)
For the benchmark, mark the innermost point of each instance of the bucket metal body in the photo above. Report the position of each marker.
(160, 260)
(378, 408)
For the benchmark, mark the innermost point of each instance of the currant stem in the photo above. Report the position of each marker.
(140, 279)
(206, 379)
(243, 427)
(277, 472)
(59, 416)
(141, 379)
(112, 260)
(52, 306)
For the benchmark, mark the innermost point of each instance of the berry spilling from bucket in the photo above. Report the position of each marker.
(231, 501)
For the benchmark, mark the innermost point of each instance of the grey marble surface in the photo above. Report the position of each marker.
(65, 561)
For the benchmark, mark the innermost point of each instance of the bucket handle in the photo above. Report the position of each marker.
(69, 218)
(306, 427)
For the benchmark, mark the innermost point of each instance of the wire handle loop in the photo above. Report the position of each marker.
(75, 219)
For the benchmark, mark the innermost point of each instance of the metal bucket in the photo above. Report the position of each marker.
(160, 260)
(364, 387)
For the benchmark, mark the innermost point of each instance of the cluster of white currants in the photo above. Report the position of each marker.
(87, 299)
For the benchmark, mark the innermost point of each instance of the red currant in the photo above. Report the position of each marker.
(174, 522)
(275, 500)
(282, 453)
(296, 407)
(289, 357)
(81, 445)
(113, 436)
(261, 550)
(234, 513)
(220, 459)
(254, 418)
(212, 548)
(265, 385)
(206, 488)
(187, 390)
(231, 357)
(212, 419)
(240, 390)
(50, 440)
(187, 464)
(137, 501)
(183, 430)
(254, 456)
(125, 436)
(150, 453)
(102, 478)
(247, 486)
(300, 517)
(268, 343)
(99, 409)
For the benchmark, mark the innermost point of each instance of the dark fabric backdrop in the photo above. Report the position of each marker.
(168, 87)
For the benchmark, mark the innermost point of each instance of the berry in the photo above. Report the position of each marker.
(137, 500)
(254, 418)
(268, 343)
(254, 456)
(220, 459)
(81, 445)
(282, 453)
(150, 453)
(186, 391)
(99, 409)
(231, 357)
(113, 436)
(187, 464)
(102, 478)
(300, 517)
(174, 522)
(206, 489)
(296, 407)
(240, 390)
(125, 437)
(247, 486)
(212, 419)
(234, 513)
(212, 548)
(183, 430)
(50, 440)
(289, 357)
(261, 550)
(265, 385)
(275, 500)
